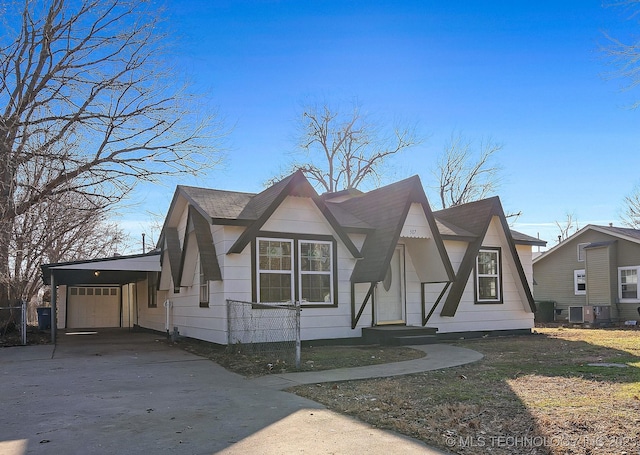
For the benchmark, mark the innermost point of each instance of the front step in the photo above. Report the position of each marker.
(399, 335)
(413, 340)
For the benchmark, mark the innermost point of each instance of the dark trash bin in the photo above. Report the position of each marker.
(44, 318)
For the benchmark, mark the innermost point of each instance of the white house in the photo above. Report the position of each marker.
(353, 260)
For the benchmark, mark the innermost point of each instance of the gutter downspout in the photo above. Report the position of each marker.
(167, 325)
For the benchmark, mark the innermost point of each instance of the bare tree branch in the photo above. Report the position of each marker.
(343, 148)
(463, 178)
(89, 107)
(568, 227)
(623, 53)
(631, 214)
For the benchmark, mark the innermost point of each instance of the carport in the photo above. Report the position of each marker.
(100, 292)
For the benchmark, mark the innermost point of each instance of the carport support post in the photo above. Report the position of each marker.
(54, 304)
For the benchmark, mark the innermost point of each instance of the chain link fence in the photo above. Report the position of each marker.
(271, 331)
(13, 321)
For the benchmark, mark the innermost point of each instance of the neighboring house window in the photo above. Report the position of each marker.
(275, 270)
(581, 247)
(316, 266)
(204, 289)
(488, 279)
(152, 284)
(579, 282)
(628, 284)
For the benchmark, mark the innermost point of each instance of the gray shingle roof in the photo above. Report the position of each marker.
(219, 204)
(385, 210)
(471, 216)
(524, 239)
(629, 232)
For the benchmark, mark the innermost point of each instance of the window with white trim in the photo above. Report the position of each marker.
(275, 270)
(628, 284)
(579, 282)
(581, 247)
(316, 271)
(204, 288)
(488, 276)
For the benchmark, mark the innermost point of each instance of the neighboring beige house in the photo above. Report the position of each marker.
(592, 276)
(353, 260)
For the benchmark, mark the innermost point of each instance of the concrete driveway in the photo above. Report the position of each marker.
(126, 393)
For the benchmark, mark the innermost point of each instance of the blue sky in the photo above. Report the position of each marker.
(527, 74)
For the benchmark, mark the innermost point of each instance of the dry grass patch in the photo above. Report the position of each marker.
(534, 394)
(313, 358)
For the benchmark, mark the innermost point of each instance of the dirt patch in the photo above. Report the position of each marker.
(313, 358)
(533, 395)
(12, 337)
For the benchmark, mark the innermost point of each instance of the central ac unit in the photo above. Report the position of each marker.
(580, 314)
(575, 314)
(601, 313)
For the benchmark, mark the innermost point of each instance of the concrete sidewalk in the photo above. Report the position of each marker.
(438, 356)
(129, 393)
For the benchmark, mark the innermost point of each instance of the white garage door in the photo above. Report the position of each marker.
(92, 307)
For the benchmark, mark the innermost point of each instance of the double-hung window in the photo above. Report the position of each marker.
(275, 270)
(316, 271)
(297, 269)
(488, 276)
(628, 284)
(579, 282)
(204, 288)
(581, 247)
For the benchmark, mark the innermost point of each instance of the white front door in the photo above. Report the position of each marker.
(389, 297)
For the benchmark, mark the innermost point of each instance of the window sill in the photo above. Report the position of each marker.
(629, 300)
(318, 305)
(488, 302)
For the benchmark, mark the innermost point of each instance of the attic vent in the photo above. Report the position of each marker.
(576, 315)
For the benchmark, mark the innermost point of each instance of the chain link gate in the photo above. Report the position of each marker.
(269, 330)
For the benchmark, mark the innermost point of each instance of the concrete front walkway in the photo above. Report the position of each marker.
(438, 356)
(128, 393)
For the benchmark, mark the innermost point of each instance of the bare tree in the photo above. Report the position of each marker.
(623, 53)
(568, 227)
(461, 176)
(631, 213)
(88, 107)
(65, 229)
(343, 148)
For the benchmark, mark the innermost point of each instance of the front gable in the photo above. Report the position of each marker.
(417, 235)
(198, 247)
(390, 211)
(486, 221)
(297, 215)
(263, 205)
